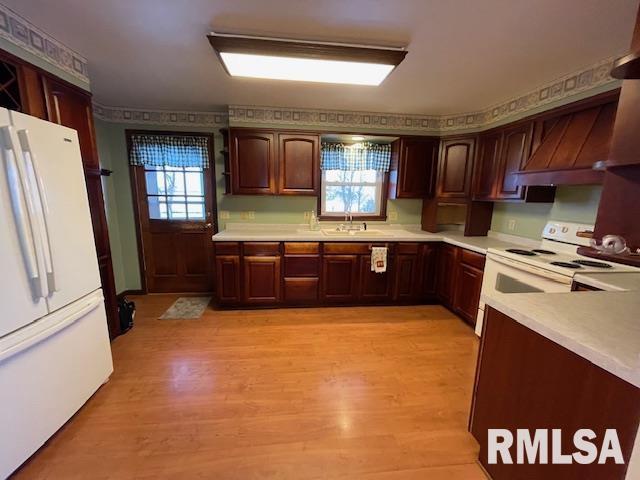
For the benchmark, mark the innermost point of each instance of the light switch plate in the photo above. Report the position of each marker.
(251, 215)
(511, 225)
(225, 215)
(393, 215)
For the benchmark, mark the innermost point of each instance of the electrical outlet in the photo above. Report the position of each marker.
(511, 225)
(225, 215)
(244, 215)
(251, 215)
(393, 215)
(307, 215)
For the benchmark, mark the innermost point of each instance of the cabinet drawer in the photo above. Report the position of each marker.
(262, 248)
(407, 248)
(301, 247)
(227, 248)
(301, 290)
(472, 258)
(301, 266)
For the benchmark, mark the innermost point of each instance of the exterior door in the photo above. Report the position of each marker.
(176, 214)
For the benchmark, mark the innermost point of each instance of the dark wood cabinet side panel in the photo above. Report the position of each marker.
(446, 273)
(468, 285)
(428, 270)
(555, 389)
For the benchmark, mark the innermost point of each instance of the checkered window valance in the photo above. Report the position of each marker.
(169, 151)
(360, 156)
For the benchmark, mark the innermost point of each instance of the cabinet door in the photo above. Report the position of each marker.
(228, 278)
(487, 163)
(374, 287)
(516, 147)
(416, 168)
(253, 162)
(339, 278)
(455, 167)
(407, 269)
(428, 268)
(299, 164)
(261, 279)
(446, 274)
(72, 108)
(467, 294)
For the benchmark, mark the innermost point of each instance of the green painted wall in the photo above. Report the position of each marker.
(573, 203)
(112, 150)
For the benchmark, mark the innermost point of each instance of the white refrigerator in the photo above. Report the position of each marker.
(54, 344)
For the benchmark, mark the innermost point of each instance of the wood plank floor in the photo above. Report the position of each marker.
(362, 392)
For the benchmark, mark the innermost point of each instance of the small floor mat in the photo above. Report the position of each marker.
(186, 307)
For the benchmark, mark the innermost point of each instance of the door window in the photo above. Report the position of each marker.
(175, 193)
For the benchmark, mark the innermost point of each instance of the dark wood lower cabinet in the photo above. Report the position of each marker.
(339, 278)
(228, 279)
(374, 287)
(446, 273)
(467, 292)
(261, 284)
(555, 389)
(428, 270)
(339, 273)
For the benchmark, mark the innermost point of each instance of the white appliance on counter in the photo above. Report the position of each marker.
(549, 268)
(54, 343)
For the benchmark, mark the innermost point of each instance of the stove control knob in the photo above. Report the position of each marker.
(565, 229)
(552, 230)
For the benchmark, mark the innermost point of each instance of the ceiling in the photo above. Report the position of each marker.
(464, 55)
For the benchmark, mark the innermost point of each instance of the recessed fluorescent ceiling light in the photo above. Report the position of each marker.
(279, 59)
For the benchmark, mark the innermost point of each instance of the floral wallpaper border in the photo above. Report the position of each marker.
(24, 34)
(580, 82)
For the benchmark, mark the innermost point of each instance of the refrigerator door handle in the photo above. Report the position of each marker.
(41, 195)
(19, 193)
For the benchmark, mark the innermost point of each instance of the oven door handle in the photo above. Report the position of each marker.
(540, 272)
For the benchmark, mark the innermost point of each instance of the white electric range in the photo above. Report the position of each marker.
(548, 268)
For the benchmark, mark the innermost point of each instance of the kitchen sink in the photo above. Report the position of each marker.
(332, 232)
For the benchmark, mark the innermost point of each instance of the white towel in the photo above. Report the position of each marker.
(379, 259)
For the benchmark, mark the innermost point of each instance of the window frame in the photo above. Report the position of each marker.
(384, 196)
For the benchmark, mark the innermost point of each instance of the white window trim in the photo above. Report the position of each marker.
(378, 195)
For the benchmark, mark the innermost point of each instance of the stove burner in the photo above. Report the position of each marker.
(519, 251)
(543, 252)
(566, 265)
(592, 263)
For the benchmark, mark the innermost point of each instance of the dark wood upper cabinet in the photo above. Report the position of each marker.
(455, 167)
(487, 164)
(298, 164)
(252, 161)
(72, 108)
(413, 167)
(515, 149)
(261, 283)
